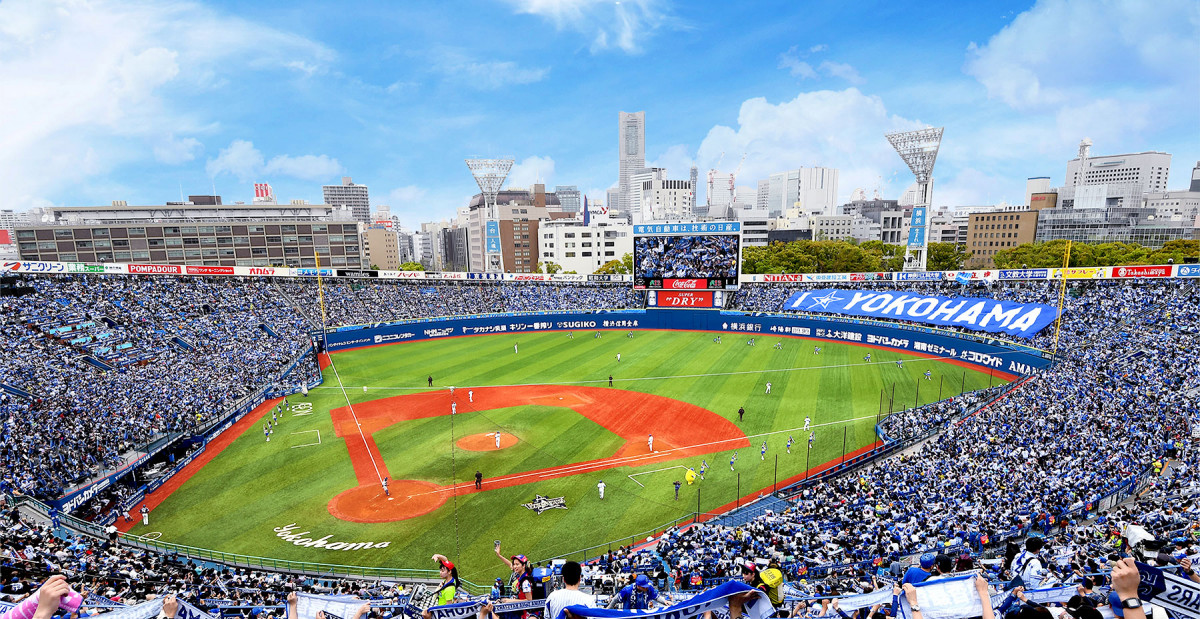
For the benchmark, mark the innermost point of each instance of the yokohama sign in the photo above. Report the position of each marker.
(688, 298)
(1160, 271)
(685, 284)
(154, 269)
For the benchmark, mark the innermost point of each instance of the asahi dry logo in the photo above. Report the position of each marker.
(288, 534)
(541, 504)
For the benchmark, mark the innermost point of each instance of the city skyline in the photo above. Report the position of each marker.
(217, 96)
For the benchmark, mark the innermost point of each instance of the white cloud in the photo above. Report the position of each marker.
(841, 129)
(1061, 51)
(797, 68)
(678, 161)
(531, 170)
(73, 92)
(842, 70)
(172, 150)
(243, 160)
(484, 74)
(306, 167)
(624, 24)
(820, 47)
(407, 197)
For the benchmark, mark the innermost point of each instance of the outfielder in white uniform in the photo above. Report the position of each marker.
(768, 387)
(470, 395)
(453, 408)
(600, 487)
(806, 422)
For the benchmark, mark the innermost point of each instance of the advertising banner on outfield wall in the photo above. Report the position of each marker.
(979, 352)
(680, 298)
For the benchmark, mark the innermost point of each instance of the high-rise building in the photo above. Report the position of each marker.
(569, 198)
(381, 247)
(989, 233)
(10, 219)
(351, 195)
(1148, 169)
(519, 212)
(631, 130)
(814, 190)
(583, 248)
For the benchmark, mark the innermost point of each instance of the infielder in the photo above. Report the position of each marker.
(385, 487)
(145, 515)
(650, 442)
(806, 422)
(732, 459)
(470, 395)
(816, 350)
(789, 444)
(454, 408)
(600, 487)
(928, 375)
(497, 440)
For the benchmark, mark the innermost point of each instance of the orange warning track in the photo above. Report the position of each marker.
(680, 430)
(212, 450)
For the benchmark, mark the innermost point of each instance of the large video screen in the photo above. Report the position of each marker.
(696, 261)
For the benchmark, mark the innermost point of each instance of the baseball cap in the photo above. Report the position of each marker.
(642, 581)
(446, 564)
(927, 560)
(749, 567)
(499, 581)
(520, 558)
(1076, 603)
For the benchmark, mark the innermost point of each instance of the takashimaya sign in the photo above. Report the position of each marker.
(309, 540)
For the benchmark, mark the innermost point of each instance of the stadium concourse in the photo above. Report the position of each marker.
(1046, 460)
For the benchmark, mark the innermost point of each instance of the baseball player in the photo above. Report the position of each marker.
(650, 442)
(470, 395)
(806, 422)
(703, 469)
(778, 345)
(515, 349)
(751, 342)
(768, 387)
(618, 357)
(364, 388)
(732, 459)
(900, 363)
(677, 484)
(454, 408)
(812, 436)
(600, 486)
(928, 375)
(145, 515)
(385, 487)
(816, 350)
(790, 443)
(570, 335)
(762, 451)
(267, 431)
(497, 440)
(630, 336)
(867, 359)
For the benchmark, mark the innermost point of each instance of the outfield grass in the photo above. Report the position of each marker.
(235, 502)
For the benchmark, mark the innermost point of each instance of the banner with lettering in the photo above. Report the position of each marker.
(945, 598)
(308, 604)
(1019, 319)
(757, 606)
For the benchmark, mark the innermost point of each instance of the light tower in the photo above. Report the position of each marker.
(489, 175)
(919, 150)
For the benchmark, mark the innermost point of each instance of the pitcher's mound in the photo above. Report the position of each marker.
(408, 499)
(486, 442)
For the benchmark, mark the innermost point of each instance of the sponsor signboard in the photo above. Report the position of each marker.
(701, 228)
(485, 276)
(1024, 273)
(155, 269)
(262, 270)
(34, 267)
(1188, 270)
(685, 298)
(684, 284)
(1142, 271)
(356, 273)
(529, 277)
(1080, 273)
(193, 270)
(783, 277)
(925, 276)
(309, 272)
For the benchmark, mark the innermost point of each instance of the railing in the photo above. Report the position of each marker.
(409, 321)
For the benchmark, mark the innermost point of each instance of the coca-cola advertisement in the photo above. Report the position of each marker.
(686, 261)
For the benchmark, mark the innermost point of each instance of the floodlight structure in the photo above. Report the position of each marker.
(489, 175)
(919, 150)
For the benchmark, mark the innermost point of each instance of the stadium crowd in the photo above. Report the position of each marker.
(195, 346)
(357, 302)
(1038, 463)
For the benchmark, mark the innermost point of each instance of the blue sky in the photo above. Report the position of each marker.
(132, 101)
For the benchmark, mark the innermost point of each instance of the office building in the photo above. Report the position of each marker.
(584, 247)
(989, 233)
(812, 189)
(1036, 185)
(381, 247)
(519, 213)
(569, 198)
(454, 248)
(212, 235)
(631, 142)
(349, 195)
(1148, 169)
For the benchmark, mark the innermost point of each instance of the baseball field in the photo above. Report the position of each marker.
(314, 492)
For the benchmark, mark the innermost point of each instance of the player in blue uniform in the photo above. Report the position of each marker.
(762, 451)
(789, 444)
(867, 359)
(732, 460)
(703, 468)
(928, 375)
(816, 350)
